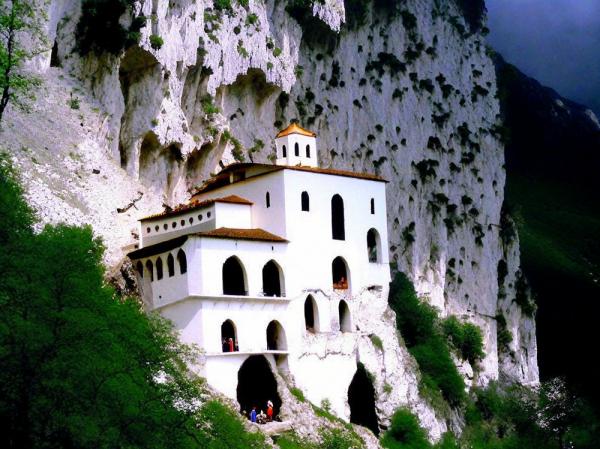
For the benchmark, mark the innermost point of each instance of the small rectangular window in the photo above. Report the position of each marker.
(372, 206)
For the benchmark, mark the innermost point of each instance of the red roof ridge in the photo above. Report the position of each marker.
(242, 234)
(181, 208)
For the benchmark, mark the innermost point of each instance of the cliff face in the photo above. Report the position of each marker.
(406, 91)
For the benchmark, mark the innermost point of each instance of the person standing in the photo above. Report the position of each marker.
(269, 411)
(253, 414)
(230, 344)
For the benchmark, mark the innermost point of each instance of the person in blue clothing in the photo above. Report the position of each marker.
(253, 414)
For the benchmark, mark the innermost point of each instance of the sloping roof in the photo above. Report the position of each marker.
(182, 208)
(158, 248)
(242, 234)
(294, 128)
(222, 178)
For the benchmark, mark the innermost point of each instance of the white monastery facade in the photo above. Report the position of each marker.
(267, 255)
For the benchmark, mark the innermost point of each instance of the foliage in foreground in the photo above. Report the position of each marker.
(419, 325)
(81, 368)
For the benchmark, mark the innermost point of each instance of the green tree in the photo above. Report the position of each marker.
(82, 368)
(21, 38)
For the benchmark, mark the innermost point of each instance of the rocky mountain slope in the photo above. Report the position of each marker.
(552, 187)
(402, 89)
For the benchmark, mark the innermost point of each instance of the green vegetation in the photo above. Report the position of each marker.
(298, 394)
(405, 432)
(156, 42)
(466, 339)
(331, 439)
(377, 342)
(17, 19)
(419, 325)
(208, 106)
(82, 367)
(100, 30)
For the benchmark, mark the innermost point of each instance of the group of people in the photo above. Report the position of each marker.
(342, 284)
(229, 345)
(260, 417)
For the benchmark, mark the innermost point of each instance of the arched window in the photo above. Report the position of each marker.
(268, 199)
(159, 269)
(171, 265)
(307, 150)
(276, 340)
(182, 261)
(305, 200)
(234, 277)
(372, 206)
(373, 245)
(338, 231)
(140, 269)
(344, 316)
(272, 277)
(150, 270)
(229, 341)
(339, 272)
(296, 149)
(284, 151)
(311, 314)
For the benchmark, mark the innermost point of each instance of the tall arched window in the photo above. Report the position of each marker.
(268, 199)
(338, 231)
(182, 261)
(307, 150)
(272, 277)
(283, 151)
(340, 274)
(234, 277)
(171, 265)
(296, 149)
(344, 316)
(159, 269)
(373, 245)
(276, 340)
(229, 341)
(305, 200)
(140, 268)
(311, 314)
(372, 206)
(150, 270)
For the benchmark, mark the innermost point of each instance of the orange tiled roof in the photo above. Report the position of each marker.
(182, 208)
(294, 128)
(242, 234)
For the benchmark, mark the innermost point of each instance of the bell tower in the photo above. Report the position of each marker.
(296, 146)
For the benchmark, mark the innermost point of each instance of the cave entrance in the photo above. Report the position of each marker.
(257, 385)
(361, 399)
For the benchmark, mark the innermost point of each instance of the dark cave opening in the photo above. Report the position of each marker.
(361, 399)
(257, 385)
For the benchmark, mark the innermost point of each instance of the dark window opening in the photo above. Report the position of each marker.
(344, 317)
(256, 386)
(159, 269)
(372, 206)
(54, 59)
(165, 226)
(296, 149)
(182, 261)
(361, 399)
(234, 279)
(338, 231)
(307, 150)
(305, 200)
(276, 340)
(284, 151)
(373, 245)
(150, 270)
(182, 222)
(148, 230)
(171, 265)
(339, 273)
(311, 314)
(272, 279)
(229, 341)
(268, 199)
(191, 220)
(140, 269)
(156, 228)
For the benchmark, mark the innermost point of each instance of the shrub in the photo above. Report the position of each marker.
(405, 432)
(298, 394)
(419, 325)
(466, 338)
(208, 106)
(376, 341)
(156, 42)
